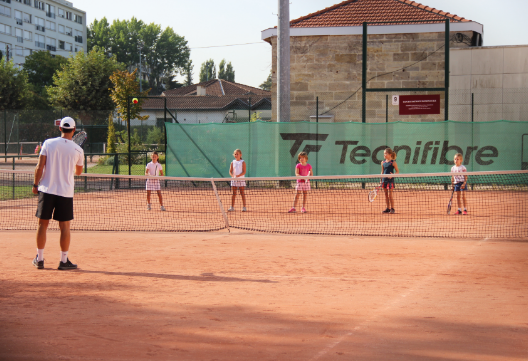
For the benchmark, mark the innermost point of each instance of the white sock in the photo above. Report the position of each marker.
(64, 257)
(40, 254)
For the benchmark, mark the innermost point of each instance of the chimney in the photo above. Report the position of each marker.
(200, 90)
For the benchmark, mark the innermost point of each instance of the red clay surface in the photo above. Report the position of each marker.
(250, 296)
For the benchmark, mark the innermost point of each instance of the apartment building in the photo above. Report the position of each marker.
(34, 25)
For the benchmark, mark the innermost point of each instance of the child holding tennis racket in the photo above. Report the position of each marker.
(389, 166)
(154, 168)
(459, 183)
(302, 169)
(237, 169)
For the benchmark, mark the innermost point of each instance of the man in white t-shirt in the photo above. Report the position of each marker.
(60, 159)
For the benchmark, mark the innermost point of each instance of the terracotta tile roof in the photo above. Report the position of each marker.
(355, 12)
(218, 87)
(225, 102)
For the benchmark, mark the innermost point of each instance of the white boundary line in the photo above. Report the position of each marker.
(390, 305)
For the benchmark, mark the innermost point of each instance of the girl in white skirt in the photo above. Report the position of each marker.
(154, 168)
(238, 170)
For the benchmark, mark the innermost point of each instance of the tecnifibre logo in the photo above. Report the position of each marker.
(423, 152)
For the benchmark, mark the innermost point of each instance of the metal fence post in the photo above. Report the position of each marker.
(364, 76)
(5, 134)
(472, 106)
(13, 178)
(446, 74)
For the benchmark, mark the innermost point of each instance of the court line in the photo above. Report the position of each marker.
(390, 305)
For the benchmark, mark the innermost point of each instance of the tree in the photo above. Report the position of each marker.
(164, 53)
(83, 83)
(13, 86)
(188, 73)
(207, 71)
(125, 85)
(230, 73)
(111, 139)
(222, 70)
(40, 67)
(267, 84)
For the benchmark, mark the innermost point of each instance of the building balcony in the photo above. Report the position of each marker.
(20, 39)
(40, 45)
(50, 15)
(40, 28)
(19, 21)
(51, 48)
(78, 39)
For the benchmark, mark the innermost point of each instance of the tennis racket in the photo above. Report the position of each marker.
(80, 138)
(450, 201)
(373, 193)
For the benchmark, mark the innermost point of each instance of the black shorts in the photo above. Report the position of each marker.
(60, 207)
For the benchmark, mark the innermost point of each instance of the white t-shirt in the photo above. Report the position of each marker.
(459, 178)
(154, 168)
(62, 155)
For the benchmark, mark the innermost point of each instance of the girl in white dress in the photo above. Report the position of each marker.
(238, 170)
(154, 168)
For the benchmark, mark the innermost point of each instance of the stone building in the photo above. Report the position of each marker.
(326, 57)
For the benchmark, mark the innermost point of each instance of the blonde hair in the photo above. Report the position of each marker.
(302, 154)
(391, 152)
(459, 155)
(238, 151)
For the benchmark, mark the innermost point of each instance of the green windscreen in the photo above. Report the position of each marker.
(270, 149)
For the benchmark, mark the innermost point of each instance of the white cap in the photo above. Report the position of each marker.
(67, 123)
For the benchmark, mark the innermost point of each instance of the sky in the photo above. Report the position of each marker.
(210, 25)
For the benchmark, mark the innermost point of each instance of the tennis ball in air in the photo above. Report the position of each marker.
(135, 100)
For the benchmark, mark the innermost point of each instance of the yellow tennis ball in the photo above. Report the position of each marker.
(135, 100)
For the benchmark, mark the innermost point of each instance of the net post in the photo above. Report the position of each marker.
(226, 220)
(85, 170)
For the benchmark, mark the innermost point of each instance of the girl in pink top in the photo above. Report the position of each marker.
(302, 169)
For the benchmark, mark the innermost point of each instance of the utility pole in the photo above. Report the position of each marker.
(283, 62)
(141, 44)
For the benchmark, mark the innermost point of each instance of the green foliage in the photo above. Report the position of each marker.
(155, 136)
(135, 145)
(40, 67)
(13, 86)
(165, 53)
(267, 84)
(188, 73)
(84, 82)
(230, 73)
(207, 71)
(226, 71)
(125, 85)
(111, 141)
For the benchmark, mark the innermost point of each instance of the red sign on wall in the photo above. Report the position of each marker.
(419, 104)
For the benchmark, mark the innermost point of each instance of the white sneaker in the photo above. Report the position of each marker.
(148, 207)
(231, 209)
(244, 209)
(162, 208)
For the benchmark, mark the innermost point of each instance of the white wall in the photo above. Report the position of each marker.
(498, 77)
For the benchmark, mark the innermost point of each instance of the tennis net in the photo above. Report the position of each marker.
(497, 205)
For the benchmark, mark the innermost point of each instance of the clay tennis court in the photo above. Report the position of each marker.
(256, 296)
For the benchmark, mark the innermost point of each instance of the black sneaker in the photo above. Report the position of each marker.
(392, 211)
(67, 265)
(386, 211)
(38, 264)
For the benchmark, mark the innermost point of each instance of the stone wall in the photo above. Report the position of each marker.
(330, 67)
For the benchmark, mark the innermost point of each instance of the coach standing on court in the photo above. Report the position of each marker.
(60, 158)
